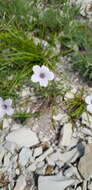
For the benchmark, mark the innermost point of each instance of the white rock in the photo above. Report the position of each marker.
(7, 160)
(67, 134)
(90, 186)
(41, 164)
(69, 95)
(86, 131)
(16, 126)
(21, 183)
(11, 147)
(79, 188)
(43, 156)
(37, 151)
(23, 137)
(32, 167)
(58, 117)
(65, 119)
(53, 158)
(69, 172)
(24, 156)
(17, 171)
(41, 159)
(6, 123)
(85, 163)
(54, 182)
(2, 153)
(73, 142)
(87, 119)
(73, 155)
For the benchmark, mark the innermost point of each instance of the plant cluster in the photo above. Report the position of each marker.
(54, 21)
(76, 106)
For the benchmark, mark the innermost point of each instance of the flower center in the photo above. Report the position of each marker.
(5, 106)
(42, 75)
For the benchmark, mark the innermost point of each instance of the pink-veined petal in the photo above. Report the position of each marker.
(36, 68)
(88, 99)
(89, 108)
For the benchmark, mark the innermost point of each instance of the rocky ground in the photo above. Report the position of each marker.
(49, 151)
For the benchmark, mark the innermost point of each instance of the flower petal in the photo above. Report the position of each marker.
(1, 100)
(35, 78)
(50, 75)
(9, 111)
(88, 99)
(44, 69)
(36, 68)
(8, 102)
(2, 112)
(43, 83)
(89, 108)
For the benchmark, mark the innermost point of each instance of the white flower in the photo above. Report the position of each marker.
(42, 75)
(88, 100)
(5, 107)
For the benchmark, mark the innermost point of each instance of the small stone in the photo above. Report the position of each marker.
(69, 95)
(11, 147)
(65, 119)
(85, 163)
(79, 188)
(6, 123)
(21, 183)
(7, 160)
(67, 134)
(37, 151)
(90, 186)
(16, 126)
(58, 117)
(32, 167)
(72, 155)
(41, 164)
(52, 158)
(54, 182)
(23, 137)
(2, 153)
(87, 119)
(43, 156)
(17, 171)
(24, 156)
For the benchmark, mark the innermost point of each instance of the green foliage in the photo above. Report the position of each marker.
(15, 12)
(18, 54)
(49, 93)
(76, 106)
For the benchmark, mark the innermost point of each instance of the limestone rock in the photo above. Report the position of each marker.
(67, 134)
(38, 151)
(54, 182)
(24, 156)
(21, 183)
(85, 163)
(23, 137)
(87, 119)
